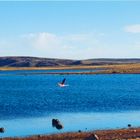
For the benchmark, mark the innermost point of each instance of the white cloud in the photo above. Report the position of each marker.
(61, 46)
(135, 28)
(41, 40)
(70, 46)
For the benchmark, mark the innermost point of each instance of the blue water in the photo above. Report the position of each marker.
(28, 72)
(36, 99)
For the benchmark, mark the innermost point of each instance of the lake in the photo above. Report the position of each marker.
(29, 102)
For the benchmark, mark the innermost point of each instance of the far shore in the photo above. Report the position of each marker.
(100, 69)
(114, 134)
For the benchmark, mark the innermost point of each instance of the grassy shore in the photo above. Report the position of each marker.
(118, 134)
(101, 69)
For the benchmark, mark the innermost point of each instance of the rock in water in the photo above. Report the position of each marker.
(2, 130)
(129, 125)
(56, 123)
(59, 126)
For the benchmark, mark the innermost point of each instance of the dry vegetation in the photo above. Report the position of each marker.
(124, 68)
(103, 69)
(120, 134)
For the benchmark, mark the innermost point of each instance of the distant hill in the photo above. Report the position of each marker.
(44, 62)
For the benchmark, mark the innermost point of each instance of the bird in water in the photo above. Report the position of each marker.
(62, 84)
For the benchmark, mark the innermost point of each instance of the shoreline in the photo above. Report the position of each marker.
(110, 134)
(71, 122)
(99, 69)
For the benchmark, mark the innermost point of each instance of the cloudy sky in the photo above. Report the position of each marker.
(72, 30)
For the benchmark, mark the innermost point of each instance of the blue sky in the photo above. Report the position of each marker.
(73, 30)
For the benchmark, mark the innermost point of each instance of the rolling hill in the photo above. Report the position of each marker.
(44, 62)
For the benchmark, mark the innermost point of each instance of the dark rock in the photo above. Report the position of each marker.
(2, 130)
(59, 126)
(95, 137)
(129, 125)
(79, 131)
(56, 123)
(92, 137)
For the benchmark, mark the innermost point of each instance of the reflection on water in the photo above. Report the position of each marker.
(71, 122)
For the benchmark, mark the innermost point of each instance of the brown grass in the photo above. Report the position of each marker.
(106, 69)
(120, 66)
(119, 134)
